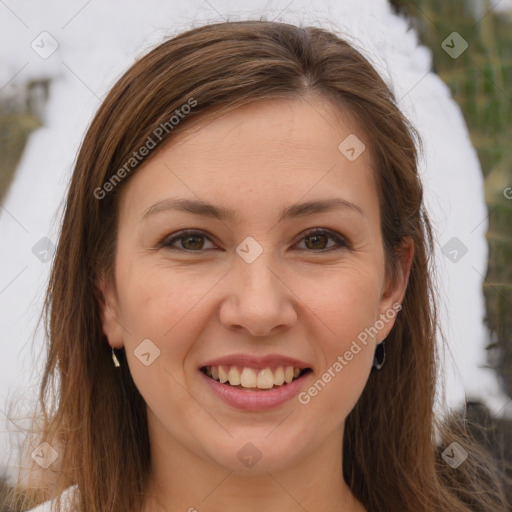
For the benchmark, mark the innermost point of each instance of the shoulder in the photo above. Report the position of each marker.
(66, 500)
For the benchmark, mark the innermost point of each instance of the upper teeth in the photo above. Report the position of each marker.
(253, 378)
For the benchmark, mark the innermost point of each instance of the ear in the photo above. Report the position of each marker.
(109, 310)
(395, 286)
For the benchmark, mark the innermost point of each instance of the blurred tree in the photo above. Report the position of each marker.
(20, 114)
(480, 80)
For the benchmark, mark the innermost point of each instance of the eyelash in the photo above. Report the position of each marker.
(340, 241)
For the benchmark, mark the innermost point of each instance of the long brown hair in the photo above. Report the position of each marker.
(94, 414)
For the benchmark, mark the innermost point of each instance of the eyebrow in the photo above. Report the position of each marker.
(209, 210)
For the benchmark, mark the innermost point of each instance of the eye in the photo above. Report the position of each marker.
(189, 239)
(193, 241)
(318, 238)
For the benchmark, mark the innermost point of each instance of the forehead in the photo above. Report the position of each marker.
(288, 148)
(304, 124)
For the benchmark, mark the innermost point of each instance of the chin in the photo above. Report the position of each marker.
(248, 455)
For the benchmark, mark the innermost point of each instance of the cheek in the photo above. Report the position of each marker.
(157, 296)
(345, 301)
(167, 306)
(335, 392)
(160, 305)
(344, 310)
(346, 352)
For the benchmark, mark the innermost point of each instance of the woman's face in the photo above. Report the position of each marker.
(253, 290)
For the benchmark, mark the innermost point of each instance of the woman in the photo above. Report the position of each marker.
(241, 315)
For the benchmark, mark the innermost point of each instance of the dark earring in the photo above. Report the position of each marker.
(380, 355)
(114, 358)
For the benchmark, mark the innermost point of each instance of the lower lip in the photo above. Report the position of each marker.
(255, 400)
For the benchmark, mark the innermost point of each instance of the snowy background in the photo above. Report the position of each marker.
(96, 41)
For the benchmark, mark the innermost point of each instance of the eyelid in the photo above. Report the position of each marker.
(341, 241)
(173, 237)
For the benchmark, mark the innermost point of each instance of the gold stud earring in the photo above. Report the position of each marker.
(114, 358)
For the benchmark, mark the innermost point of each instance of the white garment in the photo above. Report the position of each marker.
(66, 500)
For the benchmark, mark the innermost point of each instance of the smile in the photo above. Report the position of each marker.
(255, 389)
(254, 378)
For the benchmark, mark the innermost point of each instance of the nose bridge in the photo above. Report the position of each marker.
(257, 298)
(259, 285)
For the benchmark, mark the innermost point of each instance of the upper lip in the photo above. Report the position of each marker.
(257, 361)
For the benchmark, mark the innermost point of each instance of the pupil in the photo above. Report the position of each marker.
(188, 238)
(316, 238)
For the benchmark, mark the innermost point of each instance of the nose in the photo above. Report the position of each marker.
(257, 299)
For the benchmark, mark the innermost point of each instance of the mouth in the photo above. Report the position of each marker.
(255, 379)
